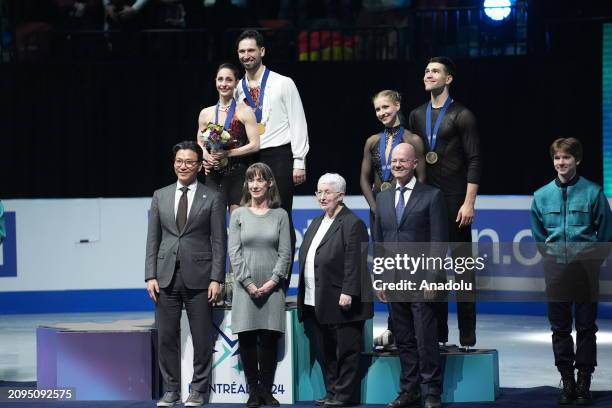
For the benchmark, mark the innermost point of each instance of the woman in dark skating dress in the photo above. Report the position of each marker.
(373, 176)
(225, 169)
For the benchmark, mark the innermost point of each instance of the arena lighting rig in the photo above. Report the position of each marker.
(497, 10)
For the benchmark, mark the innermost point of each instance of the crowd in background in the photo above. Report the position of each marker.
(35, 30)
(97, 14)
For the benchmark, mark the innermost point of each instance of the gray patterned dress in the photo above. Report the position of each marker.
(259, 249)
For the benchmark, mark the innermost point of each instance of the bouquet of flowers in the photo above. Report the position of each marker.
(216, 138)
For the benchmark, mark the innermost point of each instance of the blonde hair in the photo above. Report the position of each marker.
(393, 95)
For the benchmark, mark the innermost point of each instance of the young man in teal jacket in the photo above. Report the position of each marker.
(571, 218)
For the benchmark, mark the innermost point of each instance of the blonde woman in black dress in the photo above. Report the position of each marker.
(375, 166)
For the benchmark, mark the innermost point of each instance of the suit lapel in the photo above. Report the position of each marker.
(170, 205)
(196, 206)
(332, 229)
(314, 227)
(414, 198)
(390, 207)
(310, 233)
(335, 226)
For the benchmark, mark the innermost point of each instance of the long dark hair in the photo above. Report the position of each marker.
(265, 172)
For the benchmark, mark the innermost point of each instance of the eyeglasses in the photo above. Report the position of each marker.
(401, 161)
(190, 164)
(323, 194)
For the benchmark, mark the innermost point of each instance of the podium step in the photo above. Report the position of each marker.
(471, 376)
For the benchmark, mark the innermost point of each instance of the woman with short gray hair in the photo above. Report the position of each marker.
(334, 179)
(330, 301)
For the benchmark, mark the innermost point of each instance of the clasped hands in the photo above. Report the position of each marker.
(213, 159)
(265, 289)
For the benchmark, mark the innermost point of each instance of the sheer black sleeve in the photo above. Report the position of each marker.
(466, 123)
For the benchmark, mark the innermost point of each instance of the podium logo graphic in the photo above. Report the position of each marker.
(227, 347)
(8, 249)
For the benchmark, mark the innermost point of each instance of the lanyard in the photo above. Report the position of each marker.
(431, 137)
(247, 94)
(385, 162)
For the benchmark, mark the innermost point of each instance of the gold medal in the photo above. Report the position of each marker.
(262, 128)
(431, 157)
(386, 185)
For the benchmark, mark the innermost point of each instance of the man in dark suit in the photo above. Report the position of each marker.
(185, 264)
(330, 297)
(413, 212)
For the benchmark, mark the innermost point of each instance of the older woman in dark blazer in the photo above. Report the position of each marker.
(329, 293)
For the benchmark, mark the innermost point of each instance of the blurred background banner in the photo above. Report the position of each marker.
(77, 255)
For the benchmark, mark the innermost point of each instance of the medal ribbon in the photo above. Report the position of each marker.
(247, 94)
(431, 137)
(230, 114)
(385, 162)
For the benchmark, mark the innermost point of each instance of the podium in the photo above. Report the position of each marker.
(117, 361)
(227, 383)
(308, 376)
(468, 376)
(98, 361)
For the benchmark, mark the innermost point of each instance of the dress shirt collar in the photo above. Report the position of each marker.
(192, 187)
(410, 184)
(258, 80)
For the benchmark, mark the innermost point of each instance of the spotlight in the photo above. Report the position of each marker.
(497, 10)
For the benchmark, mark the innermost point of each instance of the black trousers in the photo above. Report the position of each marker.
(168, 319)
(572, 292)
(415, 329)
(280, 160)
(389, 320)
(338, 348)
(258, 351)
(560, 318)
(466, 307)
